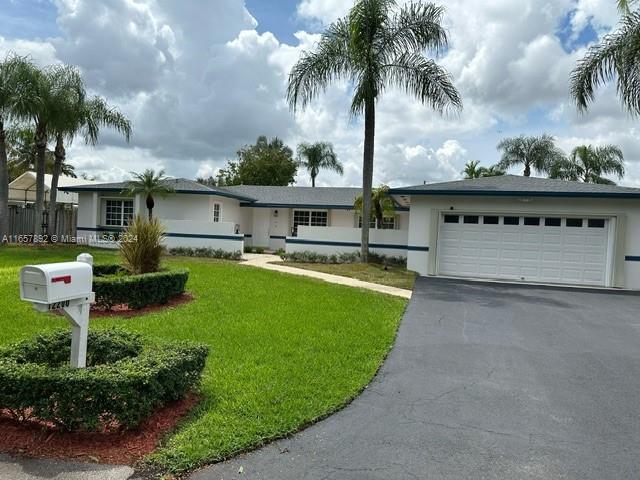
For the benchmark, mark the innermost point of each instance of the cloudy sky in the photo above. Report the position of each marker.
(201, 78)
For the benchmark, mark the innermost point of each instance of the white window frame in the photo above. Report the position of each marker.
(123, 218)
(294, 227)
(374, 223)
(219, 212)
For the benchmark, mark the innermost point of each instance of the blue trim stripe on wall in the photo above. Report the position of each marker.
(237, 238)
(632, 258)
(301, 241)
(278, 237)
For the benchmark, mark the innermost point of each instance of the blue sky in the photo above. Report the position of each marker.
(511, 62)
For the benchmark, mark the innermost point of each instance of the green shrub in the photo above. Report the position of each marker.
(141, 246)
(248, 249)
(136, 291)
(313, 257)
(259, 249)
(125, 380)
(206, 252)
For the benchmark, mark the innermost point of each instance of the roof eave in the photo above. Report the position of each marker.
(181, 191)
(494, 193)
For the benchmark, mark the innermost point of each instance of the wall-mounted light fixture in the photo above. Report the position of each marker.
(275, 213)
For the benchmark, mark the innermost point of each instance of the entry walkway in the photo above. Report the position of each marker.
(269, 262)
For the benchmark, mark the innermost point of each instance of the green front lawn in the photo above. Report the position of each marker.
(393, 276)
(285, 350)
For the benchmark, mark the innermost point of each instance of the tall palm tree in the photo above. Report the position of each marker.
(21, 154)
(148, 184)
(317, 156)
(616, 56)
(377, 45)
(588, 164)
(534, 153)
(472, 169)
(73, 116)
(382, 205)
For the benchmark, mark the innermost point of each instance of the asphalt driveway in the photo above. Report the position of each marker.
(486, 381)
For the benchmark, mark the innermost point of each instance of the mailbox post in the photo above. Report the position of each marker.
(63, 286)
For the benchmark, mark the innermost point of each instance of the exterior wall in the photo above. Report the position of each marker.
(342, 218)
(260, 227)
(426, 211)
(189, 233)
(279, 227)
(336, 240)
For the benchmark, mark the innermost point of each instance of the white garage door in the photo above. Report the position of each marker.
(532, 249)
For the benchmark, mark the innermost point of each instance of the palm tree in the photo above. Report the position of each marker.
(473, 170)
(317, 156)
(617, 55)
(21, 154)
(376, 46)
(536, 153)
(588, 164)
(382, 205)
(148, 184)
(73, 116)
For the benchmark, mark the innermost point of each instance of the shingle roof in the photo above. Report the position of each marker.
(180, 185)
(515, 186)
(335, 197)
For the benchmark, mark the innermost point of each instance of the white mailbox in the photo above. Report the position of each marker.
(55, 282)
(63, 286)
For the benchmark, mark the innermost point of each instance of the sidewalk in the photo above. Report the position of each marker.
(267, 261)
(17, 468)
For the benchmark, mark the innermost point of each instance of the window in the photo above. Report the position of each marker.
(118, 212)
(552, 222)
(490, 220)
(512, 220)
(451, 219)
(308, 218)
(372, 223)
(532, 221)
(388, 223)
(471, 219)
(216, 212)
(574, 222)
(596, 223)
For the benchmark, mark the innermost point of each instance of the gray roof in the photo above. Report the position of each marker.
(334, 197)
(180, 185)
(516, 186)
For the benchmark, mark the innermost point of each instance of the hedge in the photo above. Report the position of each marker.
(339, 258)
(125, 380)
(113, 286)
(206, 252)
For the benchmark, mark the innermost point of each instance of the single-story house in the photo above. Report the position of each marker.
(22, 190)
(508, 227)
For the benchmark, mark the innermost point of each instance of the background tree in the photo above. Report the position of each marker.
(473, 170)
(534, 153)
(268, 162)
(21, 152)
(318, 156)
(75, 115)
(377, 45)
(382, 205)
(616, 56)
(148, 184)
(588, 164)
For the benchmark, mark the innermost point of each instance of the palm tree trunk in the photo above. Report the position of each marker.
(59, 154)
(527, 170)
(367, 174)
(313, 181)
(4, 185)
(41, 148)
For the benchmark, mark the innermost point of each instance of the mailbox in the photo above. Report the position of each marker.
(56, 282)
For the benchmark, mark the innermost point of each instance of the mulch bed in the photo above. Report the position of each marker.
(124, 310)
(119, 448)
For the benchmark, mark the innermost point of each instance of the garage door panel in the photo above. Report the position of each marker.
(538, 253)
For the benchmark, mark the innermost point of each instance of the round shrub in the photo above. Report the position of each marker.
(126, 379)
(114, 286)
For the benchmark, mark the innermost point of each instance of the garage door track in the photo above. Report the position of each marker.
(486, 381)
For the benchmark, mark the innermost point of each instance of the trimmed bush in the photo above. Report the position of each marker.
(141, 246)
(125, 380)
(114, 286)
(206, 253)
(313, 257)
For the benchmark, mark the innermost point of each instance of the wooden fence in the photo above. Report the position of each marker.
(22, 220)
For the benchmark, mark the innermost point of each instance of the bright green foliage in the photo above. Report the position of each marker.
(148, 184)
(141, 247)
(268, 162)
(124, 382)
(473, 170)
(533, 153)
(381, 202)
(285, 350)
(113, 287)
(588, 163)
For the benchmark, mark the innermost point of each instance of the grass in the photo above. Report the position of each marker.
(394, 276)
(285, 350)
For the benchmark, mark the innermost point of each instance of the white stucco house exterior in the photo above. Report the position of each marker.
(510, 227)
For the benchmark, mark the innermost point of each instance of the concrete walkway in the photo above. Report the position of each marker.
(16, 468)
(269, 262)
